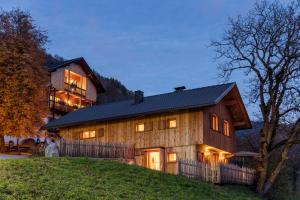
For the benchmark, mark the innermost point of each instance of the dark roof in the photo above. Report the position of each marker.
(86, 68)
(186, 99)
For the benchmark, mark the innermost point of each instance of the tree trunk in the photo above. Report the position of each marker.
(2, 143)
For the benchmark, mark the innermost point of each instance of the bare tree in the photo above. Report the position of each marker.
(265, 45)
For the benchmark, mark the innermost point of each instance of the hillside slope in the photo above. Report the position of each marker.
(83, 178)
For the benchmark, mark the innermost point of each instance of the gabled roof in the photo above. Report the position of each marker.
(186, 99)
(80, 61)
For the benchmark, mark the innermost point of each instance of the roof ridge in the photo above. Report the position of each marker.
(192, 89)
(165, 94)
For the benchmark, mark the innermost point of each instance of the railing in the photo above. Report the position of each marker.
(216, 173)
(61, 106)
(75, 89)
(77, 148)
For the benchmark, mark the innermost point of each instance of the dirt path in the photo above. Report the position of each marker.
(8, 156)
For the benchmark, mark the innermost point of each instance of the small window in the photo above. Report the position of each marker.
(140, 127)
(215, 122)
(226, 128)
(88, 134)
(172, 157)
(172, 123)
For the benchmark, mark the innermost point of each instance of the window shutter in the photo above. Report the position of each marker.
(162, 124)
(148, 126)
(100, 132)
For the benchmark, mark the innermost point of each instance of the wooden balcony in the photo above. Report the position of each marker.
(74, 89)
(61, 106)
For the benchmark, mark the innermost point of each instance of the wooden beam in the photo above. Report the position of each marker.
(239, 123)
(230, 102)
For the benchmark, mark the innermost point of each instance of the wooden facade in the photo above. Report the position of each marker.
(65, 97)
(191, 139)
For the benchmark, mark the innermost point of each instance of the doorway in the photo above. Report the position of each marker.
(154, 159)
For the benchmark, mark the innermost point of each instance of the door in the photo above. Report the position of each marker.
(154, 160)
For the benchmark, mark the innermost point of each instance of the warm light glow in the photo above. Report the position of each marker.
(88, 134)
(226, 128)
(85, 135)
(140, 127)
(172, 157)
(172, 123)
(215, 122)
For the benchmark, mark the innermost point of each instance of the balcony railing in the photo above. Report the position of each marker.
(74, 89)
(62, 106)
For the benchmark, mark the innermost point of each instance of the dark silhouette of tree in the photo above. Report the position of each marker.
(265, 45)
(23, 79)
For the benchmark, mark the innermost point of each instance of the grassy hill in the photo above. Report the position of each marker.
(83, 178)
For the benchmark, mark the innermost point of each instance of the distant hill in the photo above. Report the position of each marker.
(115, 90)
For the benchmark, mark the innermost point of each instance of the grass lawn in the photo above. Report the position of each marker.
(83, 178)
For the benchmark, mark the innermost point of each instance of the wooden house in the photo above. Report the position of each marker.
(73, 85)
(197, 124)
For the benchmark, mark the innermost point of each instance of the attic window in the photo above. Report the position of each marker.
(226, 128)
(214, 122)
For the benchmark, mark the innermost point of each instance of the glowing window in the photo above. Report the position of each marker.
(172, 157)
(140, 127)
(215, 122)
(226, 128)
(172, 123)
(88, 134)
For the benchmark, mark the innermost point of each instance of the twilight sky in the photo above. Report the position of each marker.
(152, 45)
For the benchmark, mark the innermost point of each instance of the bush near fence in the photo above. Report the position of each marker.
(95, 149)
(216, 173)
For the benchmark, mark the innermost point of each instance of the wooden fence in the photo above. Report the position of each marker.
(96, 149)
(216, 173)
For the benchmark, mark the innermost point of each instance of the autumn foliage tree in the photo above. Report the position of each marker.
(23, 78)
(265, 45)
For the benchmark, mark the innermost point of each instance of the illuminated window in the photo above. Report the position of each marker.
(172, 157)
(215, 122)
(226, 128)
(88, 134)
(140, 127)
(172, 123)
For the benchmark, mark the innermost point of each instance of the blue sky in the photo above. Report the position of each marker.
(152, 45)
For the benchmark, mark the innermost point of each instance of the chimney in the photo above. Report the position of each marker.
(178, 89)
(138, 96)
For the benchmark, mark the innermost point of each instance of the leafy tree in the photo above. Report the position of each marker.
(265, 45)
(23, 78)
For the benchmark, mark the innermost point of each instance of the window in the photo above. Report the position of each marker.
(172, 123)
(226, 128)
(215, 122)
(140, 127)
(88, 134)
(172, 157)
